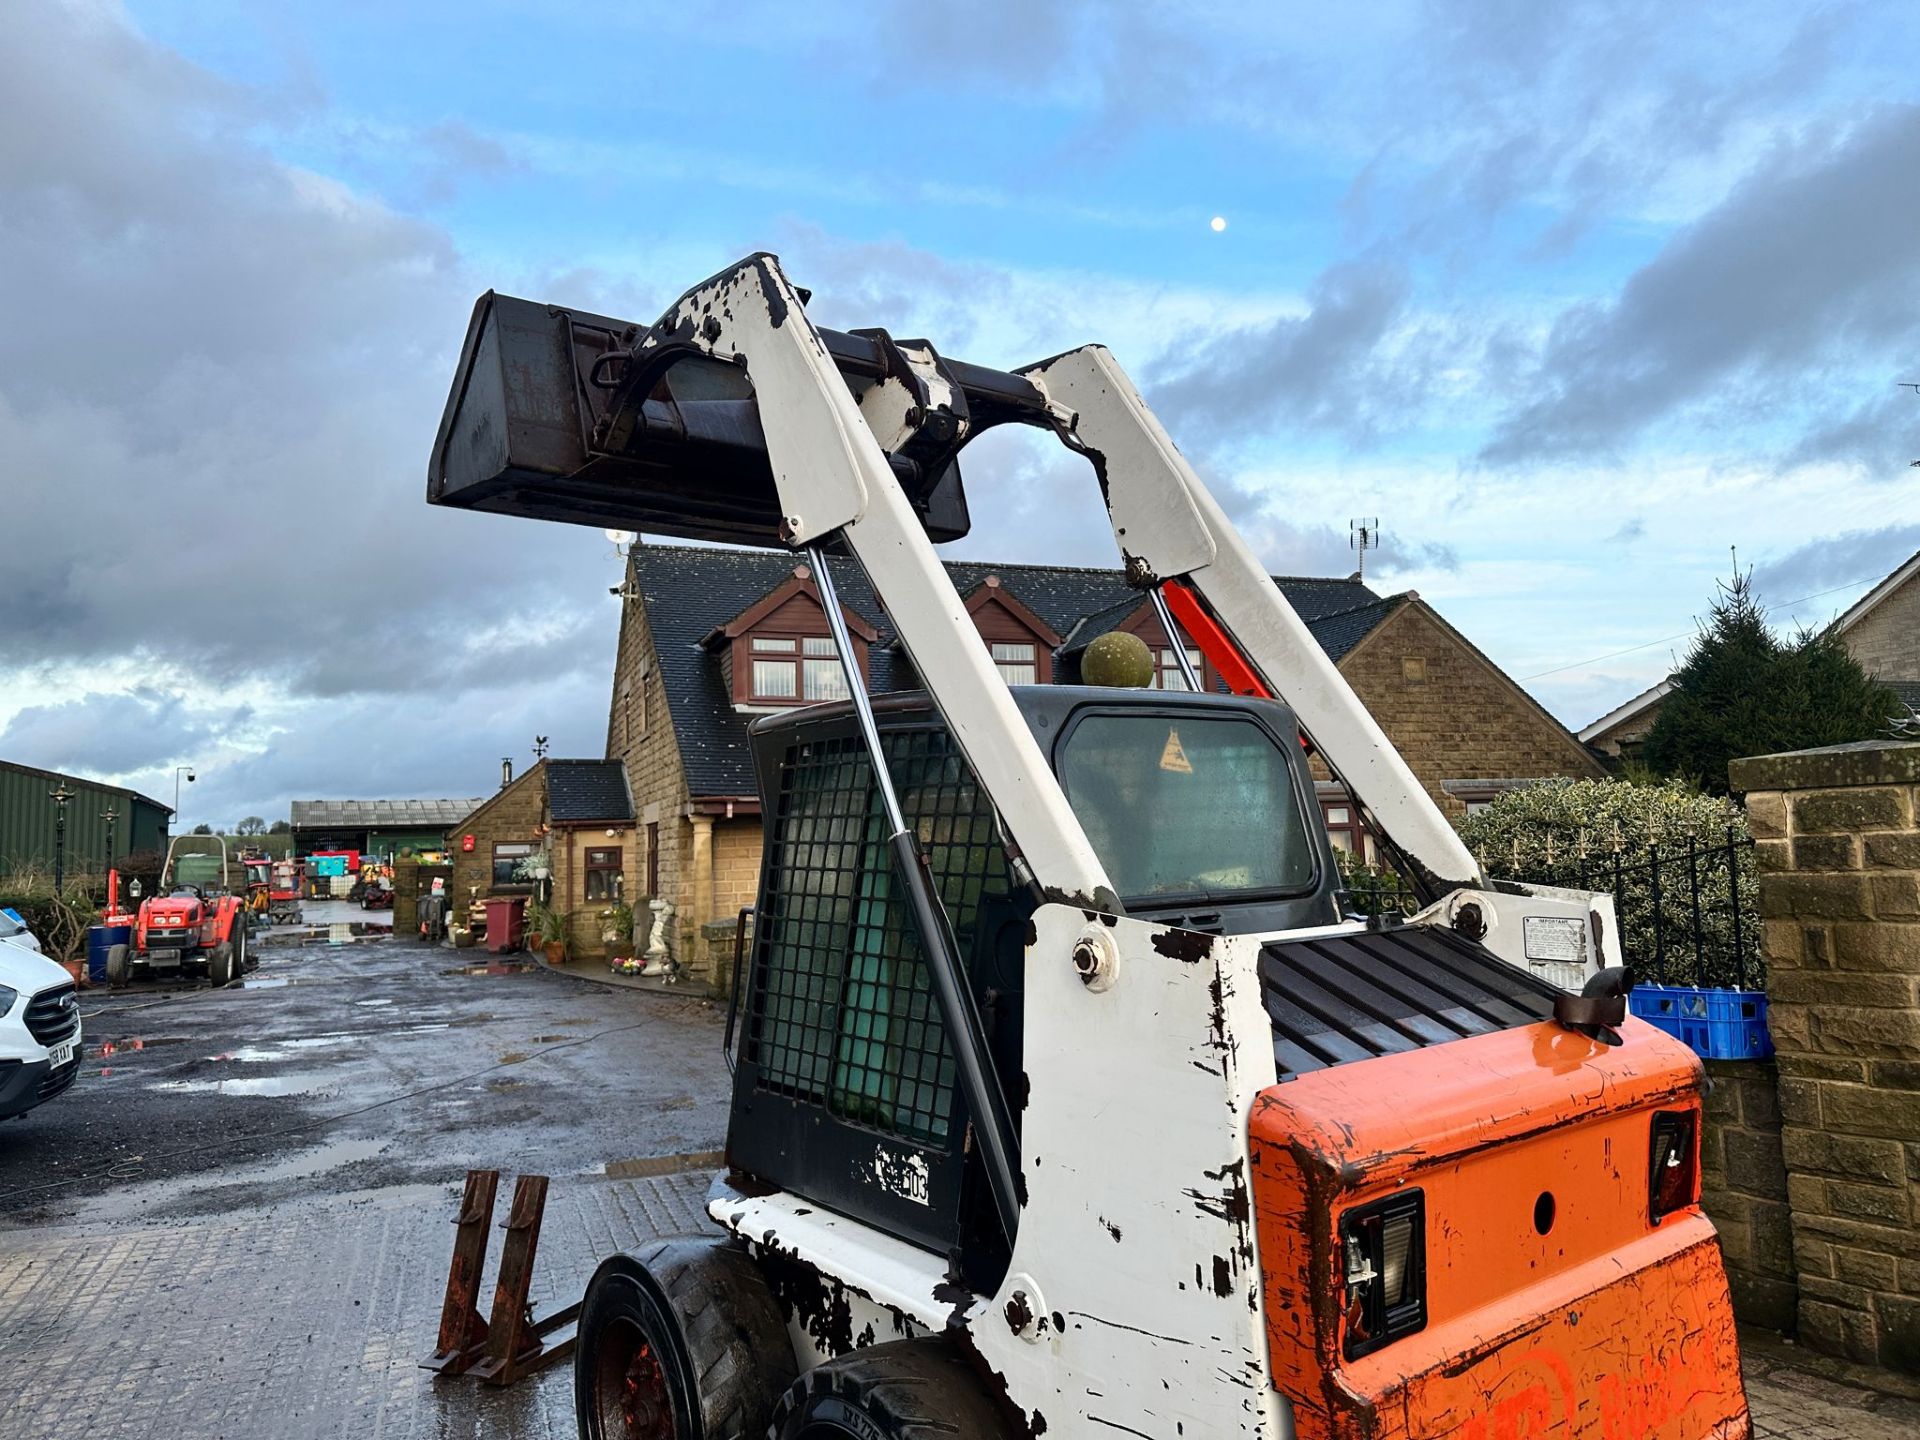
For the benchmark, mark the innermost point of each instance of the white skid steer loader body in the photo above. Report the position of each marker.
(1133, 1303)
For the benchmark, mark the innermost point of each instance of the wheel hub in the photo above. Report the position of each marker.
(646, 1407)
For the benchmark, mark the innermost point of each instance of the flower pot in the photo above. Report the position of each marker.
(556, 952)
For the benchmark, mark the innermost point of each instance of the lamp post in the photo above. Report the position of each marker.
(110, 816)
(178, 771)
(60, 795)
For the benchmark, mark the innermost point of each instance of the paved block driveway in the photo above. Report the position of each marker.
(235, 1227)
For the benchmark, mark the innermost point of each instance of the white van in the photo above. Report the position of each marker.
(39, 1029)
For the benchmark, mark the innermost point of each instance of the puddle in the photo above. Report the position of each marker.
(346, 932)
(313, 1162)
(514, 1057)
(284, 1049)
(552, 1039)
(127, 1047)
(256, 983)
(371, 1004)
(497, 967)
(296, 1083)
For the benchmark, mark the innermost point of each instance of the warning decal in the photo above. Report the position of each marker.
(1174, 758)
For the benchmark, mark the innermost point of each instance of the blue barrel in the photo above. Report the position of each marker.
(100, 939)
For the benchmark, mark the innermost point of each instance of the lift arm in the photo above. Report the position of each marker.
(1169, 527)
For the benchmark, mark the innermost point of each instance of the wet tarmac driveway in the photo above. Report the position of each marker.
(236, 1222)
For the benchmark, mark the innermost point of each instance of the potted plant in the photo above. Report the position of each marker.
(547, 928)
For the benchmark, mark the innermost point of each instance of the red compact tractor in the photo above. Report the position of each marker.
(195, 922)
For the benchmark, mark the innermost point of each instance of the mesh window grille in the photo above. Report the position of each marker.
(841, 1011)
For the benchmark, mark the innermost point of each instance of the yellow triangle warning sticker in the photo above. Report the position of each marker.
(1174, 757)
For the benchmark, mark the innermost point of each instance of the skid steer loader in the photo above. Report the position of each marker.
(1067, 1098)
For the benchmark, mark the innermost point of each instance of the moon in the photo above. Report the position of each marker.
(1217, 224)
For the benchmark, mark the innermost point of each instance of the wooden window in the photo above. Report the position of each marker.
(795, 667)
(1018, 662)
(1166, 670)
(606, 880)
(1348, 831)
(507, 854)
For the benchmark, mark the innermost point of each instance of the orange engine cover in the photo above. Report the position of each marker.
(1602, 1326)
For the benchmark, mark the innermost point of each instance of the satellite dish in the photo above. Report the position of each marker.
(621, 537)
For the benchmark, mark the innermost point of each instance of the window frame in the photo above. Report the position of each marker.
(590, 869)
(1305, 800)
(748, 658)
(526, 849)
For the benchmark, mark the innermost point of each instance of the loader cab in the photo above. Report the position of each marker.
(1199, 807)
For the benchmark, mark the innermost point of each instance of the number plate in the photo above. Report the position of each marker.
(61, 1054)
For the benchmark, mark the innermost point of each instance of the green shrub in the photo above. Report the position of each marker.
(1608, 835)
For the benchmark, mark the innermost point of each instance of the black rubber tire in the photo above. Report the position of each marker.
(243, 960)
(722, 1352)
(220, 964)
(119, 965)
(904, 1390)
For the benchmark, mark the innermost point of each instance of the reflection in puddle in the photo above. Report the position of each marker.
(345, 932)
(497, 967)
(125, 1047)
(296, 1083)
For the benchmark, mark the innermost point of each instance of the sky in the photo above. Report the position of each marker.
(1581, 302)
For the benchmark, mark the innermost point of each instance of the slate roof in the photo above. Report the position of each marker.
(381, 814)
(690, 591)
(588, 790)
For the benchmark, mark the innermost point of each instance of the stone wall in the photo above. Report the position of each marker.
(1838, 838)
(515, 814)
(1451, 713)
(1743, 1177)
(1886, 640)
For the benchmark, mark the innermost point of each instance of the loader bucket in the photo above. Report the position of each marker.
(533, 428)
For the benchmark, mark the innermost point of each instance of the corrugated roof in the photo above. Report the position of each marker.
(381, 814)
(588, 790)
(689, 592)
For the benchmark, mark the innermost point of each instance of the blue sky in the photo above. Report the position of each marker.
(1575, 299)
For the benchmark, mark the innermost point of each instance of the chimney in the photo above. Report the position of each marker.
(506, 771)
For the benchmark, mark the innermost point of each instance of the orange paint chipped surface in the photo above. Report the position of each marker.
(1555, 1308)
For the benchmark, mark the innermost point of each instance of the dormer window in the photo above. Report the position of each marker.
(1021, 643)
(777, 651)
(1166, 671)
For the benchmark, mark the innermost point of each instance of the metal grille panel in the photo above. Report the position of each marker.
(841, 1011)
(1351, 997)
(50, 1016)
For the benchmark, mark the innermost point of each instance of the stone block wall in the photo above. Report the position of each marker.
(1838, 837)
(1743, 1177)
(1451, 713)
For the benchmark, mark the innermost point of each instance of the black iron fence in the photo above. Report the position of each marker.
(1687, 906)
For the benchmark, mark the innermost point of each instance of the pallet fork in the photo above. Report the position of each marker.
(514, 1343)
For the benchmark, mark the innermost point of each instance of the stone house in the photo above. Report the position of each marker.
(579, 815)
(1881, 630)
(711, 638)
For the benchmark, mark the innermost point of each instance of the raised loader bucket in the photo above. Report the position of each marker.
(559, 414)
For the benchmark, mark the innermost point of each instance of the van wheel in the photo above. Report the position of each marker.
(904, 1390)
(683, 1341)
(117, 965)
(220, 964)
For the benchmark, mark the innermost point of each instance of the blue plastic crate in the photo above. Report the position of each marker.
(1714, 1024)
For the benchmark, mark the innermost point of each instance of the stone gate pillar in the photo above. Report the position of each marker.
(1837, 834)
